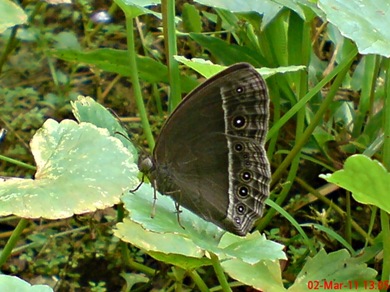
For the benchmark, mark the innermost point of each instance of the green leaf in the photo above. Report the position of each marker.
(168, 247)
(12, 283)
(269, 9)
(163, 238)
(264, 276)
(87, 110)
(117, 61)
(133, 279)
(136, 8)
(191, 18)
(80, 168)
(208, 69)
(367, 179)
(306, 9)
(246, 248)
(143, 3)
(185, 262)
(66, 40)
(140, 206)
(366, 22)
(333, 269)
(10, 15)
(231, 53)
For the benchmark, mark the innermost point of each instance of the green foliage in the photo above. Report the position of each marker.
(193, 239)
(10, 283)
(337, 267)
(67, 161)
(371, 37)
(329, 88)
(12, 15)
(355, 178)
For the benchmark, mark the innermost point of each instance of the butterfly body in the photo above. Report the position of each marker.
(210, 155)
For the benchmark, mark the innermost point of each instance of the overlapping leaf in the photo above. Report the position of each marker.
(164, 238)
(80, 168)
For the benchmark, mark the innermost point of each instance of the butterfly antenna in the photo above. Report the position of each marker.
(123, 135)
(120, 122)
(124, 127)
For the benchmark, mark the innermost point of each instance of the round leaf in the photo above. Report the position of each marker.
(80, 168)
(367, 179)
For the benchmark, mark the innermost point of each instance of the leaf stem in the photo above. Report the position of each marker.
(219, 272)
(386, 161)
(135, 82)
(168, 12)
(342, 70)
(13, 240)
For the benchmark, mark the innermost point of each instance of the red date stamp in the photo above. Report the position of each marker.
(333, 285)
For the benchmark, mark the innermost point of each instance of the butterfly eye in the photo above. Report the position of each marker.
(240, 209)
(243, 191)
(240, 89)
(239, 122)
(238, 147)
(246, 176)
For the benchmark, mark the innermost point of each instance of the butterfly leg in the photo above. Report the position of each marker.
(178, 211)
(154, 199)
(177, 204)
